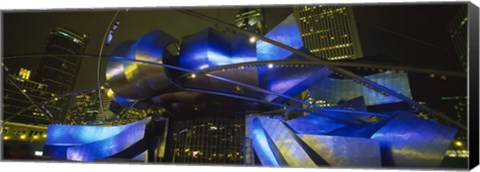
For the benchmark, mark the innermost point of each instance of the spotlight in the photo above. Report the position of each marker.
(253, 39)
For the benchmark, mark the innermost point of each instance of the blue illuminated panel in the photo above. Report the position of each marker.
(288, 33)
(88, 143)
(314, 124)
(260, 143)
(410, 141)
(243, 50)
(341, 151)
(291, 80)
(151, 46)
(108, 147)
(134, 80)
(335, 90)
(288, 147)
(204, 49)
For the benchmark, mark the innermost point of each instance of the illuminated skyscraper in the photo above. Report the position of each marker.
(85, 108)
(16, 106)
(329, 32)
(60, 72)
(209, 140)
(251, 20)
(457, 28)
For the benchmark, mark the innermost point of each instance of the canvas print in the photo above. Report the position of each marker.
(309, 86)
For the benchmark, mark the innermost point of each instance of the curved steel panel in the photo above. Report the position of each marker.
(87, 143)
(341, 151)
(135, 80)
(104, 148)
(410, 141)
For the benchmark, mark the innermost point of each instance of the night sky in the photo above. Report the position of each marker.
(27, 32)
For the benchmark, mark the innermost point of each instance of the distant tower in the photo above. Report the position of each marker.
(457, 28)
(17, 107)
(60, 72)
(251, 20)
(329, 32)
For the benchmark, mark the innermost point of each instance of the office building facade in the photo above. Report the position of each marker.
(329, 32)
(251, 20)
(59, 67)
(457, 28)
(209, 140)
(16, 106)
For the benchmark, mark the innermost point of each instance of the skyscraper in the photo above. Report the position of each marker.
(251, 20)
(57, 70)
(329, 32)
(209, 140)
(16, 106)
(457, 28)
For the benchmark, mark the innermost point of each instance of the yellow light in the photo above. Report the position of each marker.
(23, 136)
(253, 39)
(6, 137)
(193, 75)
(24, 73)
(458, 143)
(110, 93)
(44, 136)
(35, 137)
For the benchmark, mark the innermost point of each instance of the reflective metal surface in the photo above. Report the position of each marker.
(205, 49)
(88, 143)
(314, 124)
(410, 141)
(334, 90)
(289, 148)
(286, 32)
(341, 151)
(260, 143)
(134, 80)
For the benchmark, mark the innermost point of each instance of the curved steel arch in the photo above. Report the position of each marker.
(385, 66)
(344, 64)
